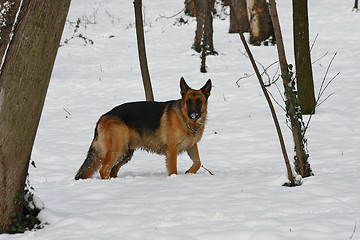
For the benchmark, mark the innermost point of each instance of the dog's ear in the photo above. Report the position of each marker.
(206, 88)
(183, 87)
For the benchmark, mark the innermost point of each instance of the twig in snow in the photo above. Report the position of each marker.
(352, 235)
(207, 170)
(67, 112)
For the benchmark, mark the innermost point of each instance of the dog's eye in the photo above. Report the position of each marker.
(189, 102)
(198, 102)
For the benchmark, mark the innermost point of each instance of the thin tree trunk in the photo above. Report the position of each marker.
(200, 19)
(208, 26)
(356, 4)
(304, 167)
(24, 80)
(241, 11)
(141, 50)
(304, 76)
(205, 35)
(272, 110)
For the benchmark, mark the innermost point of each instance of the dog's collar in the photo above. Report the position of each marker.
(192, 130)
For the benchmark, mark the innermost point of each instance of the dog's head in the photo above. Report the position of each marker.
(194, 102)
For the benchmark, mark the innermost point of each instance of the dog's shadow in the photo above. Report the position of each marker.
(133, 174)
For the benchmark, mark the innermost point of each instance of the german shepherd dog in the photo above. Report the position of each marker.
(166, 128)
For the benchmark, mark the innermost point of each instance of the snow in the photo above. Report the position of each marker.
(244, 198)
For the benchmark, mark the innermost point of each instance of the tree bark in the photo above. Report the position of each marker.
(356, 4)
(190, 8)
(261, 27)
(241, 11)
(304, 77)
(24, 79)
(142, 51)
(304, 167)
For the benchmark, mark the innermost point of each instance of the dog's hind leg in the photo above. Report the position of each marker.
(108, 162)
(115, 136)
(122, 161)
(90, 165)
(194, 155)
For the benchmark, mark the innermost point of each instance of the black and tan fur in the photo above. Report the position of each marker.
(167, 128)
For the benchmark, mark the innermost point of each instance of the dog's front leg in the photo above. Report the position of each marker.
(194, 155)
(171, 159)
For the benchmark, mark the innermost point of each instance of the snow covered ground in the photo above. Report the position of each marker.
(244, 198)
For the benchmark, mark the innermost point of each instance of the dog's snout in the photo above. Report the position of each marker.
(194, 115)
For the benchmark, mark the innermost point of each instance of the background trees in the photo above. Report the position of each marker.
(261, 27)
(240, 8)
(202, 10)
(24, 79)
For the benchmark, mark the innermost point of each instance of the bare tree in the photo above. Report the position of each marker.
(293, 109)
(24, 79)
(271, 106)
(141, 50)
(304, 76)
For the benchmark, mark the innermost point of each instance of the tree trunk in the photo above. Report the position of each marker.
(141, 50)
(200, 19)
(261, 27)
(204, 25)
(304, 77)
(356, 5)
(301, 163)
(208, 26)
(241, 11)
(23, 84)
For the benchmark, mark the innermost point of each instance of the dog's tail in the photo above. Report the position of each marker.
(89, 166)
(91, 163)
